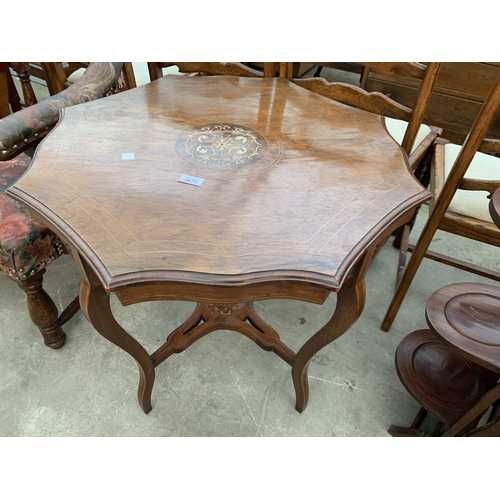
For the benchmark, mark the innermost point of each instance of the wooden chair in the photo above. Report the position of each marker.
(27, 247)
(25, 129)
(350, 67)
(404, 124)
(453, 368)
(10, 101)
(57, 75)
(60, 75)
(467, 214)
(271, 69)
(463, 178)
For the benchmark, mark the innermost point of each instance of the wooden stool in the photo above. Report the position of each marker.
(453, 369)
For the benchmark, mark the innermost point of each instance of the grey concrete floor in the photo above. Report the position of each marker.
(223, 385)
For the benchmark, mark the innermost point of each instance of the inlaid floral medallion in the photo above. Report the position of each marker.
(222, 146)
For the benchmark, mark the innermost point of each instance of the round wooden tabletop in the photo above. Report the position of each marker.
(465, 316)
(219, 180)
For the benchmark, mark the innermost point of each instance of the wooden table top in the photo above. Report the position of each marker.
(295, 186)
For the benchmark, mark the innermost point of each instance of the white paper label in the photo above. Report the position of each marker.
(189, 179)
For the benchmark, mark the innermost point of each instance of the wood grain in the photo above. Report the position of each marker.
(298, 194)
(385, 104)
(23, 74)
(460, 90)
(436, 218)
(325, 188)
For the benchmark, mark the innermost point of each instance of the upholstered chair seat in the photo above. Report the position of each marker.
(472, 203)
(397, 129)
(26, 246)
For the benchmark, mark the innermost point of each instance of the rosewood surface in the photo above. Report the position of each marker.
(298, 194)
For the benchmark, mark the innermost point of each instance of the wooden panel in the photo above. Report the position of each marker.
(459, 92)
(466, 80)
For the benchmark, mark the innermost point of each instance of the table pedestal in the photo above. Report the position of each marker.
(208, 317)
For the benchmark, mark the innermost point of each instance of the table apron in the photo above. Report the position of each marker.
(201, 292)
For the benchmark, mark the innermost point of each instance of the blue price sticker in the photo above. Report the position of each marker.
(128, 156)
(189, 179)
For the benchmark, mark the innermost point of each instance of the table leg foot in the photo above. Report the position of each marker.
(95, 305)
(145, 389)
(350, 304)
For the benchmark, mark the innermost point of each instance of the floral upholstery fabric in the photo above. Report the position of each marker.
(25, 245)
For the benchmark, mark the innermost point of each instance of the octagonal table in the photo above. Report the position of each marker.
(222, 191)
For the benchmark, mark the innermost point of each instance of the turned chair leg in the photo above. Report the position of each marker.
(43, 311)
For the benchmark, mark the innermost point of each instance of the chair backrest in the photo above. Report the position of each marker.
(378, 103)
(60, 75)
(473, 142)
(461, 190)
(22, 72)
(271, 69)
(469, 183)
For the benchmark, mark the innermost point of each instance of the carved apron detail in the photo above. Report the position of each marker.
(224, 309)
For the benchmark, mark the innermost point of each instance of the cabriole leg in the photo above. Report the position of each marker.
(350, 304)
(95, 305)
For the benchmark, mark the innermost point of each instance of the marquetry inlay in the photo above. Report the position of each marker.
(223, 146)
(224, 309)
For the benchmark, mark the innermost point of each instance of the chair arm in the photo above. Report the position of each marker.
(426, 145)
(466, 184)
(442, 141)
(27, 127)
(480, 185)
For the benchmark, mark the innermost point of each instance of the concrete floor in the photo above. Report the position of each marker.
(223, 385)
